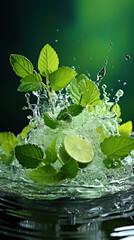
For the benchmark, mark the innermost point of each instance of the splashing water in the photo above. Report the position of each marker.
(101, 74)
(89, 183)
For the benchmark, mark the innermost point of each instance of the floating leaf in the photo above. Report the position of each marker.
(8, 141)
(125, 129)
(69, 169)
(48, 60)
(51, 153)
(116, 147)
(61, 78)
(21, 65)
(111, 163)
(29, 155)
(44, 174)
(73, 110)
(65, 116)
(50, 120)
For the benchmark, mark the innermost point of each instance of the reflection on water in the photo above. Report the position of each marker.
(110, 217)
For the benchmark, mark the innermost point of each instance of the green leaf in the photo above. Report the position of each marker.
(44, 174)
(50, 120)
(51, 152)
(32, 78)
(125, 129)
(69, 169)
(73, 110)
(74, 89)
(61, 78)
(102, 132)
(117, 109)
(31, 82)
(111, 163)
(29, 155)
(21, 65)
(90, 92)
(25, 131)
(29, 87)
(116, 148)
(65, 116)
(48, 60)
(8, 141)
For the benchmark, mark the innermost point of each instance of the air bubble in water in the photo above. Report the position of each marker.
(124, 83)
(119, 93)
(111, 44)
(56, 40)
(127, 57)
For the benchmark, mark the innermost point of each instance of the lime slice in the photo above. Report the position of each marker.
(79, 149)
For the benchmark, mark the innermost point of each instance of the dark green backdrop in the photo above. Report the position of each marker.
(80, 31)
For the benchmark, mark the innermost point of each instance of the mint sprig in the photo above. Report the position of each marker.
(116, 148)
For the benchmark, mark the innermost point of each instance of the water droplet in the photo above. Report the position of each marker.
(73, 67)
(124, 83)
(119, 93)
(127, 57)
(56, 40)
(111, 44)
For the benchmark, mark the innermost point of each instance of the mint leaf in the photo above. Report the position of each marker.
(90, 92)
(83, 91)
(8, 141)
(51, 153)
(75, 90)
(29, 155)
(111, 163)
(61, 78)
(73, 110)
(31, 82)
(65, 116)
(69, 169)
(32, 78)
(25, 131)
(48, 60)
(21, 65)
(44, 174)
(125, 129)
(50, 120)
(116, 148)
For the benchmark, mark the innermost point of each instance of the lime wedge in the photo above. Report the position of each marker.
(79, 149)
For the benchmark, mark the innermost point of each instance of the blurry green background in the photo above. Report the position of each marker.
(81, 32)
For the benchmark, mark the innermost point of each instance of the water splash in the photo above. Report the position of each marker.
(101, 74)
